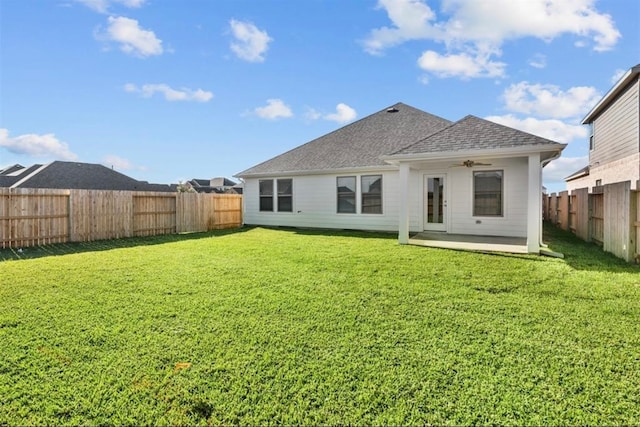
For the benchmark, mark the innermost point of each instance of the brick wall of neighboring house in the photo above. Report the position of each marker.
(627, 169)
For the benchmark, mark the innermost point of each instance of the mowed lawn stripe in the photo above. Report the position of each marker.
(273, 327)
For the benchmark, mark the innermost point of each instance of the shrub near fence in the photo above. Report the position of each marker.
(608, 216)
(32, 217)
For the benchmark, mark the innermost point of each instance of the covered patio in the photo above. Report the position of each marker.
(517, 245)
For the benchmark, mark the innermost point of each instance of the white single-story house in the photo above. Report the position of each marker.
(404, 170)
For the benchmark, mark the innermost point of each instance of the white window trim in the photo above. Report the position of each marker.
(504, 192)
(381, 194)
(275, 195)
(358, 178)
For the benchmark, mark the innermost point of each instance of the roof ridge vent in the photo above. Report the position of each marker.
(392, 110)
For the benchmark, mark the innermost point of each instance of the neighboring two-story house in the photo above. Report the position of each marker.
(614, 142)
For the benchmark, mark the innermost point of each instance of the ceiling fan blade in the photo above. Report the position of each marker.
(470, 164)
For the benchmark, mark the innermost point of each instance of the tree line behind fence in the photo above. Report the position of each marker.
(33, 217)
(608, 216)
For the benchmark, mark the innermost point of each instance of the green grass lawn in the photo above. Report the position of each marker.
(263, 327)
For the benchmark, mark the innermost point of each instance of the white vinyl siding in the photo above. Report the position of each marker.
(513, 223)
(315, 200)
(616, 133)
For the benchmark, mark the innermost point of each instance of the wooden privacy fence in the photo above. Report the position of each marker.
(608, 216)
(32, 217)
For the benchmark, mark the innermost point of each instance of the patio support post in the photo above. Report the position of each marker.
(534, 204)
(542, 244)
(403, 225)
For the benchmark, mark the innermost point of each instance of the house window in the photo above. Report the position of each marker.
(592, 144)
(266, 195)
(598, 182)
(371, 194)
(346, 190)
(488, 193)
(285, 195)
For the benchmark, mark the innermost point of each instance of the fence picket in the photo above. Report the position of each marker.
(607, 215)
(30, 217)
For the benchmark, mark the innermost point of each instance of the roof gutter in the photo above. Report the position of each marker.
(490, 153)
(549, 160)
(316, 172)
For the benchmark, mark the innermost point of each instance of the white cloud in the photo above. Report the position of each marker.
(274, 109)
(119, 163)
(538, 61)
(250, 43)
(102, 6)
(170, 94)
(411, 20)
(555, 130)
(313, 114)
(133, 39)
(46, 145)
(461, 65)
(559, 169)
(343, 114)
(499, 20)
(549, 100)
(617, 75)
(474, 31)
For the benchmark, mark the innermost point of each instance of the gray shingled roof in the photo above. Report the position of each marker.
(11, 169)
(473, 133)
(579, 173)
(359, 144)
(213, 185)
(221, 182)
(15, 173)
(84, 176)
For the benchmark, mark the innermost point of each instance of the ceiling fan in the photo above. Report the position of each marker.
(471, 163)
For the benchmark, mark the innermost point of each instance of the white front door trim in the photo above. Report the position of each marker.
(435, 196)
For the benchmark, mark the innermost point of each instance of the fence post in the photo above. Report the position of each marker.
(636, 224)
(563, 209)
(70, 217)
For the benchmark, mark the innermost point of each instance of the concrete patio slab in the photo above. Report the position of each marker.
(468, 242)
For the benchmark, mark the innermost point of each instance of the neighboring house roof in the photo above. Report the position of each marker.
(359, 144)
(12, 174)
(200, 182)
(11, 169)
(74, 175)
(221, 182)
(622, 83)
(236, 189)
(213, 185)
(578, 174)
(473, 133)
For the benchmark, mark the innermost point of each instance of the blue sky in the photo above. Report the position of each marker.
(169, 90)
